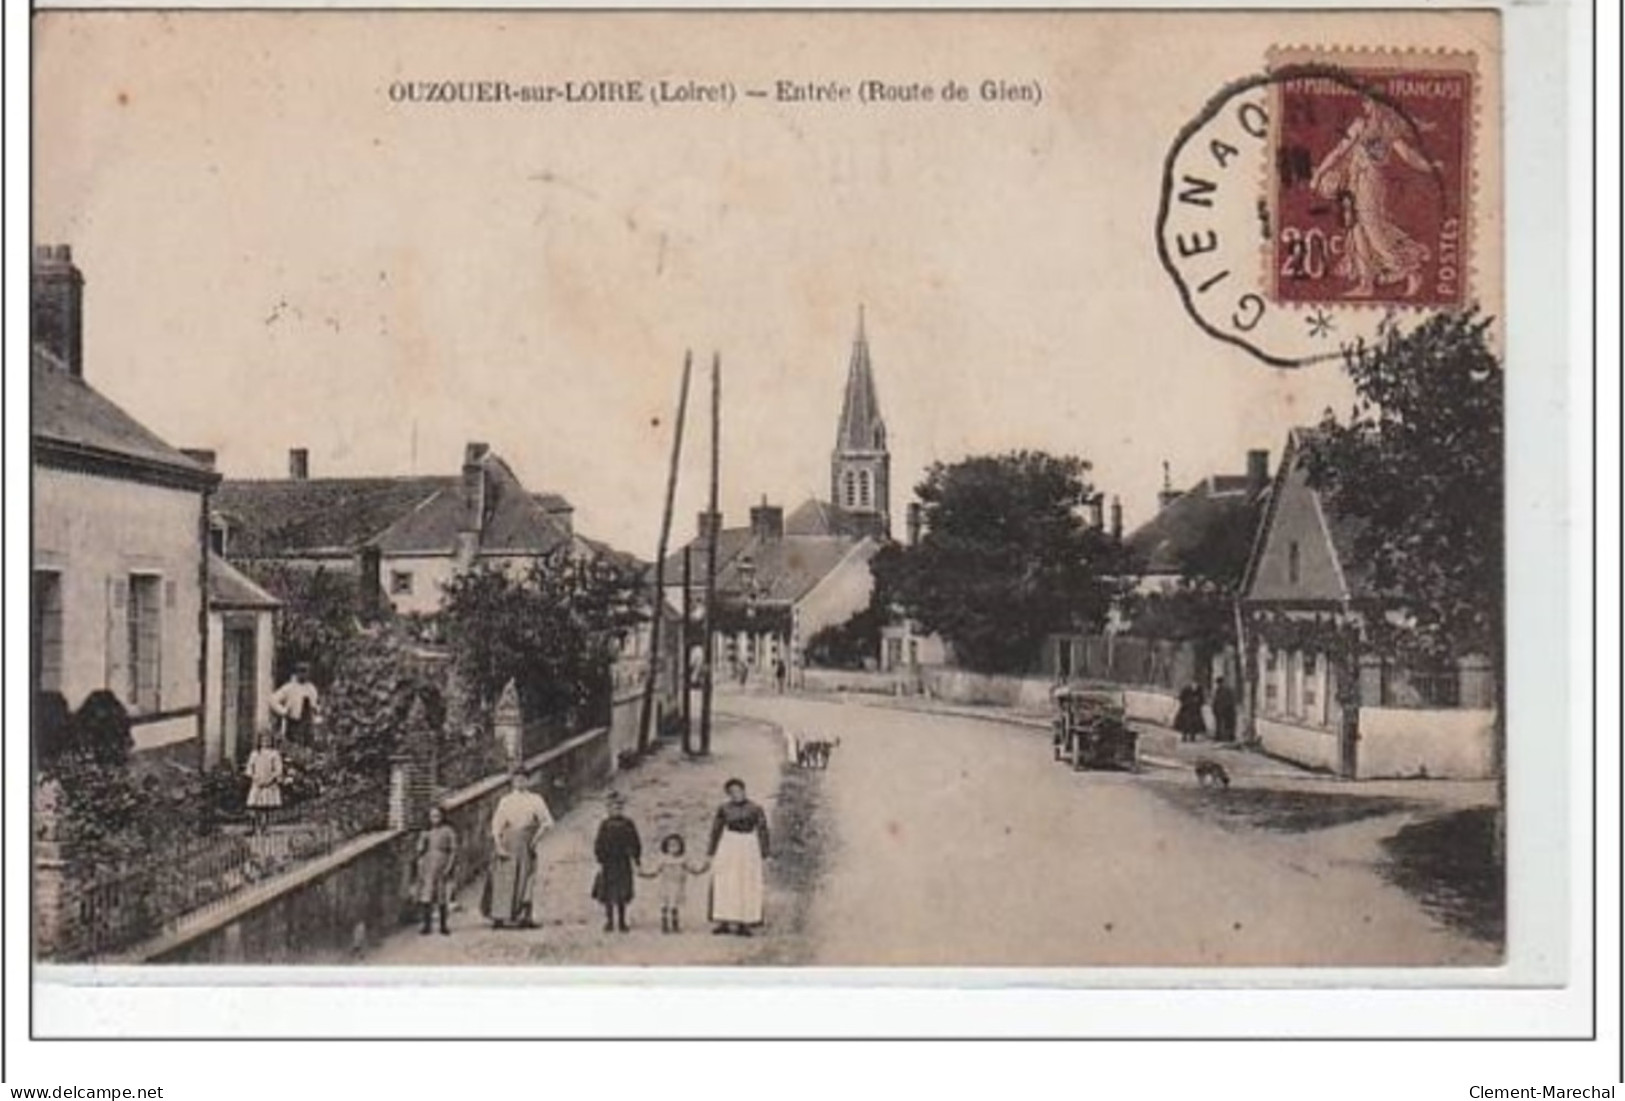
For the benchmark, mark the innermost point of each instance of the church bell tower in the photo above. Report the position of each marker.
(860, 466)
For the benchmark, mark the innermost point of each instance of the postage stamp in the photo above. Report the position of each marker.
(1370, 158)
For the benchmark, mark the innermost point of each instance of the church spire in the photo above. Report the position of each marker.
(861, 427)
(860, 467)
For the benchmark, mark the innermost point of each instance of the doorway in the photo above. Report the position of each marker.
(239, 697)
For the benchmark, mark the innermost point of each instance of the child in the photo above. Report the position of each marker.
(673, 872)
(619, 851)
(436, 861)
(265, 772)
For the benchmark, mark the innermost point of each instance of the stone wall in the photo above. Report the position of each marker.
(326, 909)
(1029, 695)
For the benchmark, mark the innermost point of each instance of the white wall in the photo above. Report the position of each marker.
(1301, 744)
(1455, 745)
(429, 573)
(96, 531)
(842, 593)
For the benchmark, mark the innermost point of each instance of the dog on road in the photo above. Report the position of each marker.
(815, 752)
(1211, 774)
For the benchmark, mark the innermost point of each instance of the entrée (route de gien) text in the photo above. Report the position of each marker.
(614, 92)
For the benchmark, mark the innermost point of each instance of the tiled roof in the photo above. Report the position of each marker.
(553, 502)
(786, 569)
(70, 412)
(516, 523)
(1216, 508)
(230, 588)
(729, 543)
(815, 517)
(275, 517)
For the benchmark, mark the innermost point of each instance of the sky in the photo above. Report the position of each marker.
(279, 255)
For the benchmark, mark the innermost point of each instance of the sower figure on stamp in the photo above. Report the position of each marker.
(1356, 173)
(517, 826)
(739, 845)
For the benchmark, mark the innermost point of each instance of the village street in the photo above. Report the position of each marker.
(950, 840)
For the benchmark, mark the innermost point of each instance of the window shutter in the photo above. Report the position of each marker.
(169, 594)
(117, 669)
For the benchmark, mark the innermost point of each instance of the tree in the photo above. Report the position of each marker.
(320, 615)
(1201, 607)
(1420, 462)
(1007, 558)
(554, 631)
(846, 645)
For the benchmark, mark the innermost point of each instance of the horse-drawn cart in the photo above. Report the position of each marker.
(1091, 728)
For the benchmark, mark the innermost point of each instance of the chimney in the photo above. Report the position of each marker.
(473, 521)
(298, 463)
(57, 297)
(1168, 494)
(767, 521)
(707, 525)
(916, 519)
(1117, 518)
(1097, 511)
(203, 456)
(1258, 471)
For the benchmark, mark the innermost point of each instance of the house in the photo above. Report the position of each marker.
(1317, 693)
(404, 537)
(1206, 529)
(784, 578)
(120, 554)
(241, 646)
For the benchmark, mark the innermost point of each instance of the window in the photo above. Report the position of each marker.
(1292, 563)
(400, 582)
(1294, 685)
(914, 651)
(894, 653)
(851, 489)
(47, 631)
(865, 497)
(1272, 691)
(1311, 686)
(145, 617)
(217, 537)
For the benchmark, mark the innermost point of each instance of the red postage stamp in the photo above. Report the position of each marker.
(1371, 175)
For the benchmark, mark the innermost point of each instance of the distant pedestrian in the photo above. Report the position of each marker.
(1188, 719)
(436, 865)
(520, 819)
(780, 673)
(297, 705)
(739, 845)
(1224, 712)
(672, 873)
(265, 772)
(619, 851)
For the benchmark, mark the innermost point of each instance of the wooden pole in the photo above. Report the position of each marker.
(687, 672)
(647, 714)
(712, 522)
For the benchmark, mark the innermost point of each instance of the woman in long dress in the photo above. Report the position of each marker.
(739, 845)
(1188, 719)
(1356, 172)
(517, 825)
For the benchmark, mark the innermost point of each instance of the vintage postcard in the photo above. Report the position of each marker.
(787, 489)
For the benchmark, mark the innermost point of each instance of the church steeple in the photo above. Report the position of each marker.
(860, 468)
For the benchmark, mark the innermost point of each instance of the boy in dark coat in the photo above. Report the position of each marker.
(619, 851)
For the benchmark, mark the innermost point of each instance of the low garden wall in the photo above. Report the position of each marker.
(1454, 745)
(852, 680)
(357, 894)
(1029, 695)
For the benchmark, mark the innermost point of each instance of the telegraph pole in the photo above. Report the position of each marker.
(687, 672)
(709, 666)
(647, 714)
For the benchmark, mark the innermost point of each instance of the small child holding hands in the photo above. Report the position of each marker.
(673, 872)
